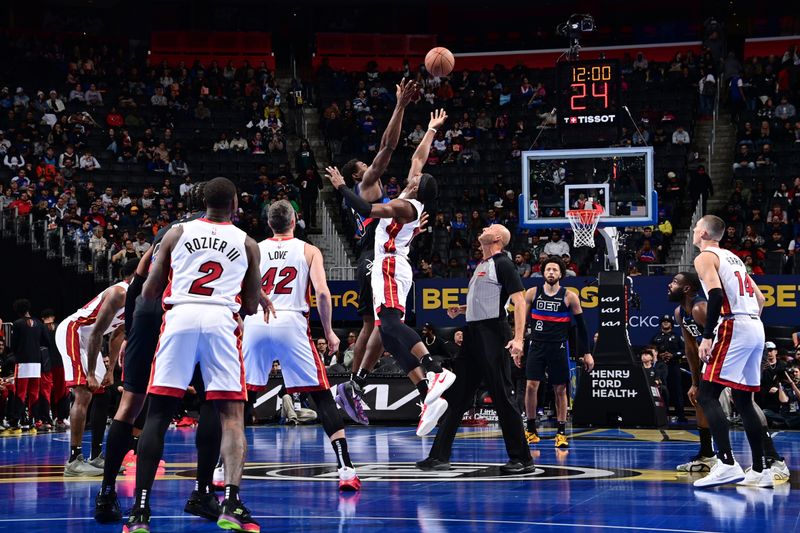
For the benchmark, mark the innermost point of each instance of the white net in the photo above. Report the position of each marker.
(584, 222)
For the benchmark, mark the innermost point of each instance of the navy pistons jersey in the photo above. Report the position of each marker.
(365, 228)
(550, 316)
(688, 321)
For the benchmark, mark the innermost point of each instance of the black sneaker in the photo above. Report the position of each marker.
(518, 467)
(106, 508)
(138, 521)
(203, 505)
(234, 515)
(433, 464)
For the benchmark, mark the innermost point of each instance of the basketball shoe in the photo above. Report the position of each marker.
(437, 384)
(761, 479)
(234, 515)
(532, 438)
(698, 463)
(561, 441)
(348, 480)
(431, 413)
(780, 472)
(138, 521)
(348, 397)
(721, 474)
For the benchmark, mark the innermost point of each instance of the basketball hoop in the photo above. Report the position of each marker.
(584, 222)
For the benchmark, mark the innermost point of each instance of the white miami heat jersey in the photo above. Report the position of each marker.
(393, 238)
(86, 316)
(738, 292)
(284, 273)
(208, 265)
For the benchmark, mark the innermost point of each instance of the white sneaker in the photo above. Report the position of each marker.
(219, 477)
(721, 474)
(757, 479)
(780, 472)
(698, 463)
(430, 416)
(437, 384)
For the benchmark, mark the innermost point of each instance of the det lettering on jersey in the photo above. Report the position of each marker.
(196, 244)
(547, 305)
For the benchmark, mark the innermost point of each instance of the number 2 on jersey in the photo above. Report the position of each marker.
(744, 285)
(212, 271)
(287, 274)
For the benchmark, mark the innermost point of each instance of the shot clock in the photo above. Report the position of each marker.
(588, 102)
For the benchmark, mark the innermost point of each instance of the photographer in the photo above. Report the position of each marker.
(772, 372)
(789, 398)
(669, 347)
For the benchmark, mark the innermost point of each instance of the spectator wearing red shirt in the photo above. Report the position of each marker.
(23, 205)
(114, 119)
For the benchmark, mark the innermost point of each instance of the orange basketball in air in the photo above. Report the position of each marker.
(439, 61)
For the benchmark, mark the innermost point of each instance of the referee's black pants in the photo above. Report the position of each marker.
(483, 357)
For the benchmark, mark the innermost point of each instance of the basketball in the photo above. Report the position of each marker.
(439, 61)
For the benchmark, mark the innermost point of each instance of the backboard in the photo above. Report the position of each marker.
(619, 179)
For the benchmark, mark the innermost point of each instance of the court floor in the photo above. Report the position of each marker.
(609, 480)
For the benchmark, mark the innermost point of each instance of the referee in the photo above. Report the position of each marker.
(485, 354)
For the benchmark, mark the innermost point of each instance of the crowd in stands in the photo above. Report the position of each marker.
(108, 152)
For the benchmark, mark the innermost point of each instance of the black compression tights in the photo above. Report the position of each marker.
(207, 441)
(708, 399)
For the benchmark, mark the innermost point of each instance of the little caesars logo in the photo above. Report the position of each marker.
(407, 472)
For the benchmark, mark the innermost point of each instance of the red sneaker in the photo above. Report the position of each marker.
(348, 480)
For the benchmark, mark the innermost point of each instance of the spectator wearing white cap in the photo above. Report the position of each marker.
(771, 373)
(21, 99)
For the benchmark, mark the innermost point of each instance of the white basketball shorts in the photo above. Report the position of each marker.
(207, 334)
(72, 341)
(391, 282)
(286, 338)
(736, 354)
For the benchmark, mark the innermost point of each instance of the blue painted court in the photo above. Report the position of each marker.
(609, 480)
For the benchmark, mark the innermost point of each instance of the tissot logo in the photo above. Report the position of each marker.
(408, 472)
(590, 119)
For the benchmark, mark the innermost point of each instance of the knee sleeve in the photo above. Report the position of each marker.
(327, 411)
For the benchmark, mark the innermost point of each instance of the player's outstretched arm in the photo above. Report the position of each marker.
(398, 209)
(251, 285)
(420, 156)
(113, 300)
(391, 136)
(159, 273)
(316, 271)
(707, 267)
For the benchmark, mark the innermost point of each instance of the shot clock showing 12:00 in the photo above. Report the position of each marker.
(588, 101)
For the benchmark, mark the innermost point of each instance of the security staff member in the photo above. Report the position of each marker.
(484, 354)
(670, 351)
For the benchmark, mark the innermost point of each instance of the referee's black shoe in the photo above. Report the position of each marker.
(203, 505)
(518, 467)
(106, 508)
(432, 464)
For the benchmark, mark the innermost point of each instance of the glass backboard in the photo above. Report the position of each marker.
(619, 179)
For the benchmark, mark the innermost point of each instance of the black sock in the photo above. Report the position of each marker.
(726, 456)
(562, 428)
(531, 424)
(706, 448)
(342, 455)
(232, 492)
(202, 489)
(119, 436)
(207, 440)
(422, 387)
(360, 379)
(429, 364)
(769, 447)
(141, 499)
(135, 444)
(98, 421)
(74, 452)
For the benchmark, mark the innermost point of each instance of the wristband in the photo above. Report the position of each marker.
(432, 129)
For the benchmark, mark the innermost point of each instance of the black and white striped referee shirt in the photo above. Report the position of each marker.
(493, 282)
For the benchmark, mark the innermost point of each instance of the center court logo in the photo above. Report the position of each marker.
(408, 472)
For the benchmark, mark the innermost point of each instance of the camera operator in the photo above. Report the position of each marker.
(670, 351)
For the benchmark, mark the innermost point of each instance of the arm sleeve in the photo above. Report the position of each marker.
(507, 275)
(713, 309)
(583, 335)
(359, 205)
(134, 290)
